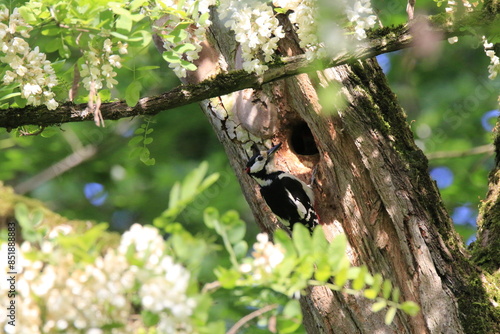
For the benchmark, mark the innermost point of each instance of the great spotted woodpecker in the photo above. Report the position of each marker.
(288, 197)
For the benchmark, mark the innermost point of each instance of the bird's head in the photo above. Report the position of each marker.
(259, 161)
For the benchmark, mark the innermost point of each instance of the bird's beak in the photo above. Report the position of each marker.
(273, 149)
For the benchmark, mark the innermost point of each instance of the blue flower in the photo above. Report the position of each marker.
(95, 193)
(443, 176)
(486, 118)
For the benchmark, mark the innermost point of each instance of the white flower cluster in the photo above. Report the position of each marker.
(194, 35)
(163, 283)
(266, 257)
(59, 295)
(494, 67)
(303, 15)
(30, 68)
(256, 29)
(361, 14)
(99, 65)
(452, 6)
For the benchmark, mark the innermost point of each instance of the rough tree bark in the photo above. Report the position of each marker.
(372, 184)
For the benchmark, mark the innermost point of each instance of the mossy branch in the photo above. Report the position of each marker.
(380, 41)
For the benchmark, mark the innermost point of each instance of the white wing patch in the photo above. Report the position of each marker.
(301, 209)
(309, 192)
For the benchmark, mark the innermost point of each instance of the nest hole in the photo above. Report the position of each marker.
(302, 140)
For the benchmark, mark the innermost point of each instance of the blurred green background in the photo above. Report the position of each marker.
(448, 98)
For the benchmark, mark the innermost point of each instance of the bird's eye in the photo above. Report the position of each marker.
(260, 158)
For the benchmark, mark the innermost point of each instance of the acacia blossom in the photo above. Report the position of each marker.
(26, 67)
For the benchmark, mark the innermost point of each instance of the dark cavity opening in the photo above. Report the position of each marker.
(302, 140)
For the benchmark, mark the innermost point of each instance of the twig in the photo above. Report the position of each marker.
(35, 133)
(211, 286)
(410, 9)
(488, 148)
(57, 169)
(251, 316)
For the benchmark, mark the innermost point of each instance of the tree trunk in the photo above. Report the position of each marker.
(372, 184)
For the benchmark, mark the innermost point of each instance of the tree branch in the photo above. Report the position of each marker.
(248, 317)
(381, 41)
(488, 148)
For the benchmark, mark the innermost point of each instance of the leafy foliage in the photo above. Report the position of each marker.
(142, 137)
(302, 261)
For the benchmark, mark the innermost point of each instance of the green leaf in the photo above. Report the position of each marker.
(37, 217)
(410, 308)
(133, 93)
(171, 57)
(149, 318)
(396, 294)
(184, 48)
(136, 151)
(21, 213)
(240, 249)
(118, 9)
(282, 238)
(359, 281)
(389, 316)
(305, 269)
(148, 140)
(179, 33)
(119, 36)
(379, 305)
(236, 228)
(175, 195)
(323, 271)
(124, 24)
(189, 189)
(187, 65)
(150, 162)
(211, 217)
(353, 272)
(336, 252)
(377, 282)
(302, 239)
(49, 132)
(64, 51)
(53, 44)
(136, 4)
(140, 38)
(291, 318)
(147, 68)
(135, 140)
(203, 18)
(51, 31)
(27, 14)
(386, 289)
(280, 10)
(341, 277)
(144, 154)
(193, 180)
(319, 243)
(208, 181)
(370, 293)
(8, 96)
(227, 277)
(105, 94)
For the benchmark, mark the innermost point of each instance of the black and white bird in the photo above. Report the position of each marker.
(288, 197)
